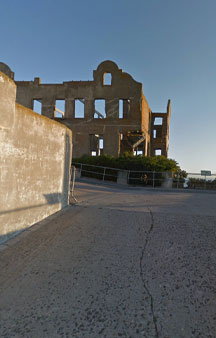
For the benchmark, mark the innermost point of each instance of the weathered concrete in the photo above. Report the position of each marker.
(35, 157)
(127, 119)
(123, 263)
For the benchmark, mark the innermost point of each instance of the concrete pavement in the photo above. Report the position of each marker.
(120, 263)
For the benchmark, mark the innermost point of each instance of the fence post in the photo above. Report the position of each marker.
(81, 170)
(104, 173)
(153, 179)
(73, 175)
(178, 181)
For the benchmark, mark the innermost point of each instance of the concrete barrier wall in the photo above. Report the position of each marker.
(35, 157)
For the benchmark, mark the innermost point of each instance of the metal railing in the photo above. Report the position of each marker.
(152, 179)
(98, 172)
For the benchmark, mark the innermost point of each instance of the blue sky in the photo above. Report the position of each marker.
(168, 45)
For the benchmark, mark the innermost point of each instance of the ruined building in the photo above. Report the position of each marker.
(109, 115)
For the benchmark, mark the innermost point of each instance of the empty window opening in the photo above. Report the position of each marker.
(107, 79)
(100, 108)
(60, 109)
(154, 133)
(158, 121)
(126, 108)
(37, 106)
(96, 144)
(79, 108)
(157, 152)
(121, 106)
(100, 143)
(138, 152)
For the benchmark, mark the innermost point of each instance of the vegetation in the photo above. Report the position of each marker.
(141, 168)
(197, 183)
(130, 162)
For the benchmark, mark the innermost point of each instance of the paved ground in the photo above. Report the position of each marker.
(121, 263)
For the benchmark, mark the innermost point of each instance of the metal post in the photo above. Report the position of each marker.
(153, 179)
(178, 181)
(73, 169)
(104, 173)
(81, 170)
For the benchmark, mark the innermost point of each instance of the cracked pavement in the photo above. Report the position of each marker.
(120, 263)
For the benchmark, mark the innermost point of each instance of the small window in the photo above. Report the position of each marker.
(107, 79)
(138, 152)
(120, 109)
(100, 111)
(96, 144)
(79, 108)
(154, 133)
(157, 152)
(158, 121)
(37, 106)
(60, 108)
(101, 143)
(126, 108)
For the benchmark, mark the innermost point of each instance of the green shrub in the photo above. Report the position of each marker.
(128, 162)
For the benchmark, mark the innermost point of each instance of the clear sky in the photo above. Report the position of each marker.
(168, 45)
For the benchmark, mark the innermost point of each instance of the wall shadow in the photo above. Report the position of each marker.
(54, 198)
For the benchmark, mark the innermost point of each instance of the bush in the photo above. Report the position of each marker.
(128, 162)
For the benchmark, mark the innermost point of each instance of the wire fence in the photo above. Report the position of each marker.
(147, 178)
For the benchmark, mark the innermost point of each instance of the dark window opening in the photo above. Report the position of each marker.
(79, 108)
(96, 144)
(107, 79)
(126, 108)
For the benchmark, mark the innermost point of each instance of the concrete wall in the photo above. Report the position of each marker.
(35, 157)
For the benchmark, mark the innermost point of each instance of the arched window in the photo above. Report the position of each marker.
(107, 79)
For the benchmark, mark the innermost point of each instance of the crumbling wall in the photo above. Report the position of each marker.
(160, 123)
(35, 157)
(123, 121)
(122, 107)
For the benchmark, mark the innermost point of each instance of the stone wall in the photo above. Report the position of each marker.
(35, 157)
